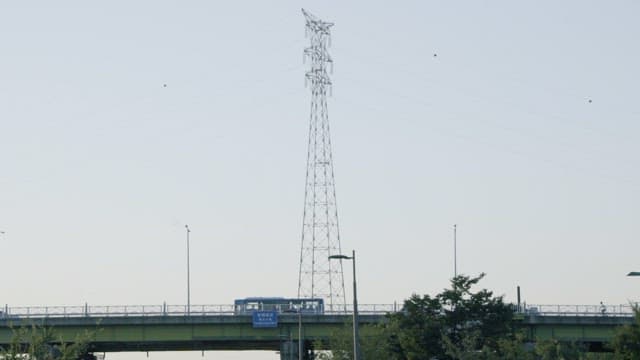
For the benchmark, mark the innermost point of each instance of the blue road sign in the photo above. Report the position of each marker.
(265, 319)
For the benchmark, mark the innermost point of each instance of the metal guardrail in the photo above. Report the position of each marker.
(161, 310)
(624, 310)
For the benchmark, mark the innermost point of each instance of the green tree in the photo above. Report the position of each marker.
(514, 348)
(457, 321)
(557, 350)
(372, 339)
(507, 348)
(41, 343)
(415, 333)
(460, 323)
(466, 348)
(626, 341)
(482, 312)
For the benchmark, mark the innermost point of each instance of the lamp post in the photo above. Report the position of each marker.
(188, 274)
(634, 273)
(356, 346)
(455, 250)
(300, 332)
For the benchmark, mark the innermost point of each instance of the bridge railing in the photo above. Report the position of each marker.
(373, 309)
(578, 310)
(86, 310)
(159, 310)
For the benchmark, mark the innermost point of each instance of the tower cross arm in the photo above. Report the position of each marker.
(316, 24)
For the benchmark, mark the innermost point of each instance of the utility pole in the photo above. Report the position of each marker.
(356, 337)
(455, 251)
(188, 273)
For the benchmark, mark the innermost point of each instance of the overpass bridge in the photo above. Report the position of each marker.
(172, 328)
(593, 325)
(217, 327)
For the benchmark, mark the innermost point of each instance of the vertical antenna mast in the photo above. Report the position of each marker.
(318, 277)
(455, 250)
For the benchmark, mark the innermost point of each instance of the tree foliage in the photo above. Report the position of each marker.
(462, 323)
(458, 323)
(626, 341)
(507, 348)
(371, 339)
(557, 350)
(41, 343)
(457, 318)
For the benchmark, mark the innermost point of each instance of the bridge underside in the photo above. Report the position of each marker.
(593, 331)
(229, 332)
(178, 333)
(218, 344)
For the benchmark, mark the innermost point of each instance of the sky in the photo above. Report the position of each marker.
(121, 121)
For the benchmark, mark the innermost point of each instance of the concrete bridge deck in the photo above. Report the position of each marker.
(163, 333)
(164, 328)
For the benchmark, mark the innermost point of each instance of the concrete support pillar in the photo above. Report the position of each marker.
(87, 356)
(289, 351)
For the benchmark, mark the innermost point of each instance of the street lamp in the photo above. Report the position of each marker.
(188, 274)
(300, 332)
(455, 251)
(356, 346)
(634, 273)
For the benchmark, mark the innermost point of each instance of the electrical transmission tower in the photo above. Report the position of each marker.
(319, 277)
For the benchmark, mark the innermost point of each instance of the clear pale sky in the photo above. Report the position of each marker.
(101, 165)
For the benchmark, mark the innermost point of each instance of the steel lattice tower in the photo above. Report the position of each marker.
(319, 277)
